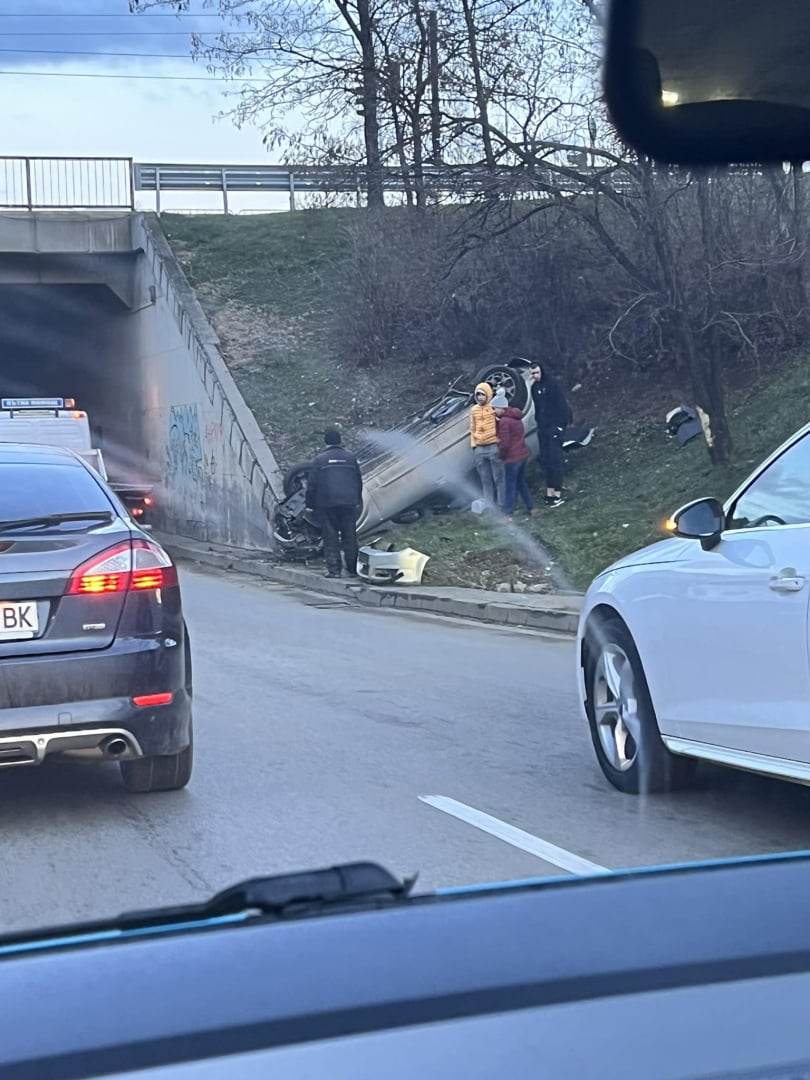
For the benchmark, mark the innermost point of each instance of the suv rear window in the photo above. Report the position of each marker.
(28, 489)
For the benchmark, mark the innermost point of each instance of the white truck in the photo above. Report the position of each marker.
(55, 421)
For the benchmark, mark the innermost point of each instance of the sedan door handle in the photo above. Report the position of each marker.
(786, 584)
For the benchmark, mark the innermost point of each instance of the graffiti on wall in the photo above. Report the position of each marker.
(196, 470)
(184, 455)
(213, 446)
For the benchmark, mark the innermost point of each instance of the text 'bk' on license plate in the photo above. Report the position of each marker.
(18, 620)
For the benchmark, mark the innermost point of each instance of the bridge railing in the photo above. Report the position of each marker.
(66, 183)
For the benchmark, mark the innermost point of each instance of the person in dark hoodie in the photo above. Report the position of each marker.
(514, 455)
(552, 415)
(335, 492)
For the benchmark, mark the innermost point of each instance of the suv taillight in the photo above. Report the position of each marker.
(130, 567)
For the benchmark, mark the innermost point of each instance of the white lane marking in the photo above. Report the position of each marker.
(550, 853)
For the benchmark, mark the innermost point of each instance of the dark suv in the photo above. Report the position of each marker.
(94, 651)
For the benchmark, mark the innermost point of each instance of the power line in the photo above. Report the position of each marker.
(118, 33)
(105, 75)
(115, 15)
(78, 52)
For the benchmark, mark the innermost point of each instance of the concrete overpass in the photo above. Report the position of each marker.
(96, 307)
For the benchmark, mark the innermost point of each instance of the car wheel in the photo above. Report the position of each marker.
(622, 721)
(296, 477)
(507, 379)
(408, 517)
(170, 772)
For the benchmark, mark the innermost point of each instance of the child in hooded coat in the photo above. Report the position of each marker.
(514, 452)
(484, 441)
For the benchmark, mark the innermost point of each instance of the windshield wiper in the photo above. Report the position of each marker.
(361, 886)
(51, 520)
(350, 887)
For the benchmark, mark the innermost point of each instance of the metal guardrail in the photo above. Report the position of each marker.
(220, 178)
(72, 183)
(290, 179)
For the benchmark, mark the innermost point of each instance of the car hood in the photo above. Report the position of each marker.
(664, 551)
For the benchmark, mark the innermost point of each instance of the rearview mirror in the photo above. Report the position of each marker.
(710, 81)
(703, 520)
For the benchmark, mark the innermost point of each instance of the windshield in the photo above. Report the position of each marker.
(386, 403)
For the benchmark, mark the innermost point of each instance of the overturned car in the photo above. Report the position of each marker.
(426, 459)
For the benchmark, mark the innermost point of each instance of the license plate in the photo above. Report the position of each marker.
(18, 621)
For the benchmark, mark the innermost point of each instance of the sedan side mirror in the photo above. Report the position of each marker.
(703, 520)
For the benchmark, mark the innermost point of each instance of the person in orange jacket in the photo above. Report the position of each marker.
(484, 441)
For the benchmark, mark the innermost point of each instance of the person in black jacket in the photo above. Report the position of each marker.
(552, 414)
(335, 491)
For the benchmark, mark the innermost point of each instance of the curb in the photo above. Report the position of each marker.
(559, 619)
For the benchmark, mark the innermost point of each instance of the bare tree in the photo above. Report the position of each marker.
(570, 240)
(413, 70)
(316, 58)
(481, 92)
(360, 19)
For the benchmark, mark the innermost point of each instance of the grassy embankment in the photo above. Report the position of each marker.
(268, 285)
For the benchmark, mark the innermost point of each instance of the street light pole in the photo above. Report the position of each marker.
(435, 104)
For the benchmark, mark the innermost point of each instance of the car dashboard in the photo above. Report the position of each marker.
(679, 973)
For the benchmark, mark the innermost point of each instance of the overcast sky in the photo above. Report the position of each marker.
(54, 103)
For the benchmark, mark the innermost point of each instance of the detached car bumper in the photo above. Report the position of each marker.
(380, 564)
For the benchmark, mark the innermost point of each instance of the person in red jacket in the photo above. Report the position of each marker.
(514, 455)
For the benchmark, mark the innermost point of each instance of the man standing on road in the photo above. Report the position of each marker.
(552, 415)
(484, 441)
(335, 491)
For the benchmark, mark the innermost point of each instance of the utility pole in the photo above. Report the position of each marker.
(435, 104)
(370, 106)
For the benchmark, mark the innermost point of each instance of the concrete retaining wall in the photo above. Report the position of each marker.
(219, 478)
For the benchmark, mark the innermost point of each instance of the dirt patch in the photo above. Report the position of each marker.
(470, 551)
(248, 336)
(241, 331)
(499, 566)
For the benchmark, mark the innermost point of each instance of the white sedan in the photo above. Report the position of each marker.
(698, 647)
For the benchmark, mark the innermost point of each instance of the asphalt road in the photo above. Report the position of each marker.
(319, 728)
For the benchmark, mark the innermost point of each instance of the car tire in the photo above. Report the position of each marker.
(293, 477)
(408, 517)
(507, 379)
(169, 772)
(621, 717)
